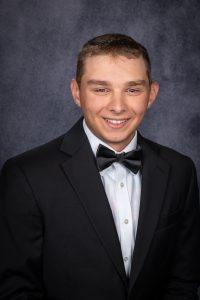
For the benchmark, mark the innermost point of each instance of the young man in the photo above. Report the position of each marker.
(102, 213)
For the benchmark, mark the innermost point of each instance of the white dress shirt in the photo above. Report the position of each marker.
(123, 190)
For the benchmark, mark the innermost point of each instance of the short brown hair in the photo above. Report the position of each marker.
(111, 44)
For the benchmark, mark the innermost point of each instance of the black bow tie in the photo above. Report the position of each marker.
(132, 160)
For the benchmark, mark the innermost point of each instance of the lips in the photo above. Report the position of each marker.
(116, 123)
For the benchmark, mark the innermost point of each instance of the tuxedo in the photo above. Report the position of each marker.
(58, 237)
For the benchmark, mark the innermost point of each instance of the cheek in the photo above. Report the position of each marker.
(90, 110)
(139, 107)
(92, 107)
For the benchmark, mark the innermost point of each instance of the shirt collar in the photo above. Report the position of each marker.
(95, 141)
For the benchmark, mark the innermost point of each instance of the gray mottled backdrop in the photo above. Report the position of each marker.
(39, 44)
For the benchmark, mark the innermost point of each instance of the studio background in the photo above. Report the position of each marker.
(39, 43)
(40, 40)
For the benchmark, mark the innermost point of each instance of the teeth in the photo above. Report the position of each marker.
(115, 121)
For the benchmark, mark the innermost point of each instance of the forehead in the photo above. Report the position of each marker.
(107, 67)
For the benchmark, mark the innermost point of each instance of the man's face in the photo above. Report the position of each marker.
(114, 95)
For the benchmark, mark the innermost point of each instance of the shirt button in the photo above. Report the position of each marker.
(125, 258)
(126, 221)
(121, 184)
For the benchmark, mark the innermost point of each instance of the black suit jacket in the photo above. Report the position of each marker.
(58, 237)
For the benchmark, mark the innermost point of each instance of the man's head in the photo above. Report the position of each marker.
(113, 87)
(111, 44)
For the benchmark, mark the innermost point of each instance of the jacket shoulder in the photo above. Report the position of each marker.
(50, 154)
(172, 156)
(40, 155)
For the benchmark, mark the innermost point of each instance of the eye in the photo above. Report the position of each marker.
(132, 91)
(101, 90)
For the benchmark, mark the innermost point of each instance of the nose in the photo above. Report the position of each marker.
(117, 103)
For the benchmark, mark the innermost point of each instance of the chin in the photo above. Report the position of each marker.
(116, 142)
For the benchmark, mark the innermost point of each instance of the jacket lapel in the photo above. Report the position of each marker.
(155, 174)
(81, 171)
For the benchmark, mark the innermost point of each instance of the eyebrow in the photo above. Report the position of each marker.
(106, 83)
(136, 82)
(97, 82)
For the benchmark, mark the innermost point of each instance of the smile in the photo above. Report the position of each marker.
(112, 121)
(116, 124)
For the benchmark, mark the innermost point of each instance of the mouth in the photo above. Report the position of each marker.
(116, 123)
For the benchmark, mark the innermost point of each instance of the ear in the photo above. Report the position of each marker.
(154, 88)
(75, 91)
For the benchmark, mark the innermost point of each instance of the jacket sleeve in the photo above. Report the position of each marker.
(185, 273)
(21, 235)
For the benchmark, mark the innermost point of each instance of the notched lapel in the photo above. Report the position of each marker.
(155, 175)
(82, 173)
